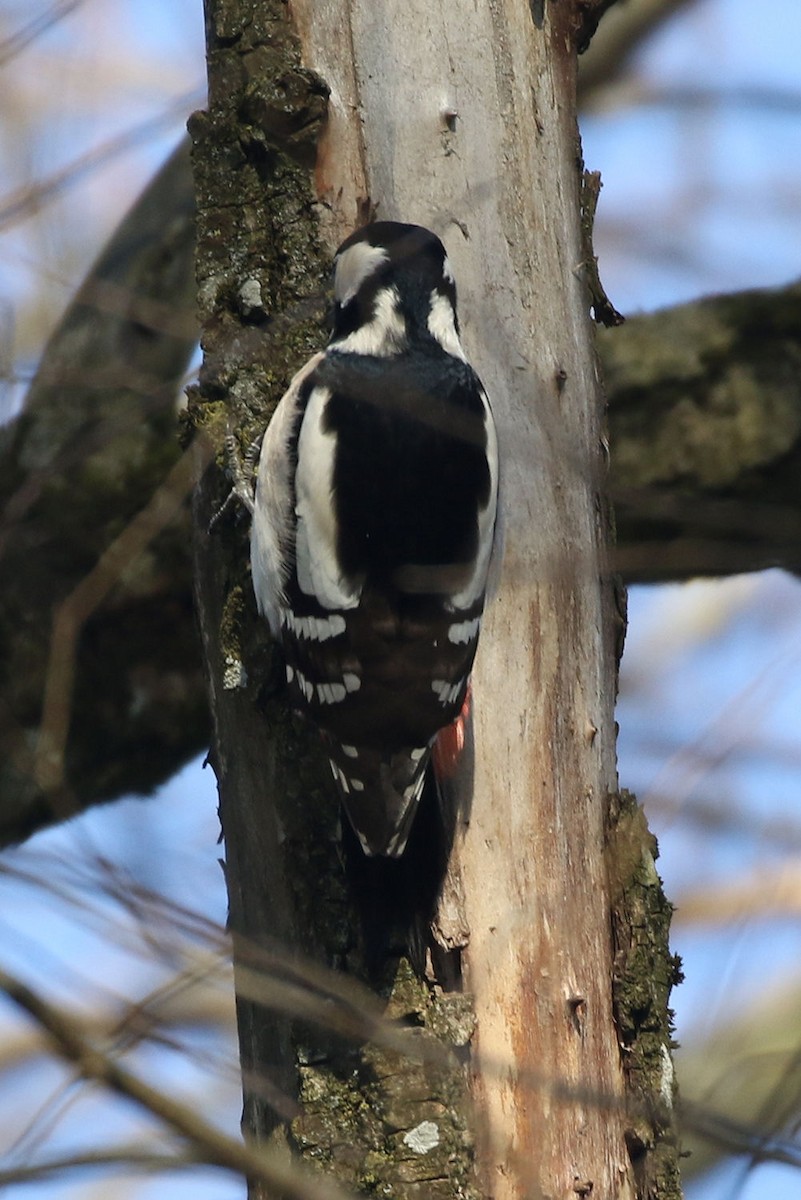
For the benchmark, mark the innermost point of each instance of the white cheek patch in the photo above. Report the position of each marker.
(384, 335)
(462, 632)
(442, 326)
(354, 265)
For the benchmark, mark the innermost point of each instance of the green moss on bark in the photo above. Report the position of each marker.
(644, 973)
(393, 1125)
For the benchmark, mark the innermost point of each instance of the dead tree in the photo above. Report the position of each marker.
(538, 1058)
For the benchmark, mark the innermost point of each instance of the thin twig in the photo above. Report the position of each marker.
(209, 1143)
(133, 1158)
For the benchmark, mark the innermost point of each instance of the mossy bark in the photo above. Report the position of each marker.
(705, 434)
(645, 971)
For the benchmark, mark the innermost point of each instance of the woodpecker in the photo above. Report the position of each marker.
(373, 525)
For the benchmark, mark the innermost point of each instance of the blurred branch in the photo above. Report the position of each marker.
(208, 1143)
(79, 606)
(776, 100)
(770, 893)
(94, 443)
(705, 430)
(727, 1137)
(705, 422)
(741, 1086)
(18, 41)
(127, 1157)
(620, 33)
(18, 205)
(726, 816)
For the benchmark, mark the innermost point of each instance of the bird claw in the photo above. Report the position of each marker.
(243, 474)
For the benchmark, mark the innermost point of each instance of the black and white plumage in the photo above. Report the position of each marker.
(374, 522)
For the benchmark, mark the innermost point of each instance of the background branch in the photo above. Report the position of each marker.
(705, 435)
(96, 439)
(704, 417)
(207, 1142)
(621, 31)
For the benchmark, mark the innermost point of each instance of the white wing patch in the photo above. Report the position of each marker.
(445, 691)
(316, 559)
(271, 529)
(462, 632)
(354, 265)
(313, 629)
(305, 686)
(476, 584)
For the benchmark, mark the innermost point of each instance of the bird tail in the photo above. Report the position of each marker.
(380, 797)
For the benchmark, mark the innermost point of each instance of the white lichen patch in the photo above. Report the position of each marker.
(234, 675)
(422, 1138)
(666, 1078)
(250, 296)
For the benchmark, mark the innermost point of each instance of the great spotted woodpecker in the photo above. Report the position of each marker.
(373, 526)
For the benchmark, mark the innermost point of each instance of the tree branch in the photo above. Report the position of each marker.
(705, 434)
(95, 441)
(704, 416)
(620, 33)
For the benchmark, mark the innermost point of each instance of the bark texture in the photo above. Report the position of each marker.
(262, 273)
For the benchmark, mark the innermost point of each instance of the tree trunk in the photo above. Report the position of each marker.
(468, 127)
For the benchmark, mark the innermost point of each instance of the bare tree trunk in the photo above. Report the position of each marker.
(466, 125)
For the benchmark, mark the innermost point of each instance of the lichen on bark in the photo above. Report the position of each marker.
(402, 1131)
(705, 434)
(644, 973)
